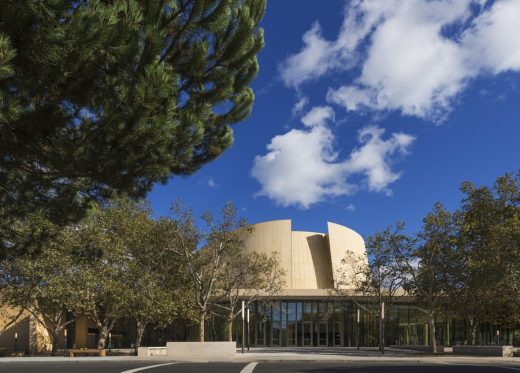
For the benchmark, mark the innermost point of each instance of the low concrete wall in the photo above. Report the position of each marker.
(417, 348)
(506, 351)
(151, 351)
(183, 350)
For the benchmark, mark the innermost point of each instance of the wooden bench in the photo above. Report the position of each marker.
(86, 351)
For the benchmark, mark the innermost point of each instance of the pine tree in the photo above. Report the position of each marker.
(99, 98)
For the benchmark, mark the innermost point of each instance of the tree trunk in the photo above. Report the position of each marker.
(55, 337)
(230, 330)
(103, 335)
(473, 331)
(202, 318)
(140, 328)
(433, 339)
(380, 332)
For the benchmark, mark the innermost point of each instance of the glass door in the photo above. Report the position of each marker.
(322, 333)
(307, 333)
(276, 324)
(276, 334)
(291, 324)
(260, 333)
(291, 333)
(338, 334)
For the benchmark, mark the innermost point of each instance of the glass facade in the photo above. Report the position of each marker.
(316, 323)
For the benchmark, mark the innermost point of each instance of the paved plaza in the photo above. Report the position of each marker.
(258, 360)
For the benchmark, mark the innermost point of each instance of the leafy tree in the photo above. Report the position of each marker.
(207, 252)
(383, 279)
(112, 265)
(457, 261)
(44, 286)
(378, 274)
(425, 263)
(505, 235)
(102, 272)
(249, 277)
(122, 250)
(486, 257)
(99, 98)
(157, 295)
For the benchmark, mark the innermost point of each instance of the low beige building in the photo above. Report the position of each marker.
(21, 332)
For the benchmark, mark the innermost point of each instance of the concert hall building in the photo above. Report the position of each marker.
(307, 313)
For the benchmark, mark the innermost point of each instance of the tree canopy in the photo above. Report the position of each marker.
(99, 98)
(457, 261)
(217, 268)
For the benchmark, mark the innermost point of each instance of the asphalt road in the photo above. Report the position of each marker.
(292, 367)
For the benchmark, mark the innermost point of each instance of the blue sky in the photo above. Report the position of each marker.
(368, 112)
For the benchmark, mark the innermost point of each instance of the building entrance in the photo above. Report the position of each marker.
(322, 331)
(307, 334)
(338, 334)
(260, 334)
(292, 328)
(294, 323)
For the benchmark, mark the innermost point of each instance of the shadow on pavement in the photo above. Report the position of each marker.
(343, 351)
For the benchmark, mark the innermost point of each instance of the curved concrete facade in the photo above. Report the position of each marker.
(309, 259)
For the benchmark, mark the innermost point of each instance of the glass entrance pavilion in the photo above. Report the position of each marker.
(329, 323)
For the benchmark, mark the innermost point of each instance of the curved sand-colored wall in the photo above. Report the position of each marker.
(342, 239)
(309, 259)
(273, 237)
(311, 268)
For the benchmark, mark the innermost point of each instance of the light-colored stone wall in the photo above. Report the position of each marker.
(273, 237)
(342, 239)
(39, 338)
(19, 327)
(201, 350)
(33, 336)
(151, 351)
(418, 348)
(311, 267)
(81, 333)
(309, 259)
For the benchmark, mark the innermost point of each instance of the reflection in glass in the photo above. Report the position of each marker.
(322, 333)
(291, 334)
(307, 333)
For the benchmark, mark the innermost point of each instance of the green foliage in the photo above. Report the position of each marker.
(99, 98)
(383, 274)
(426, 263)
(114, 264)
(485, 270)
(213, 260)
(44, 285)
(252, 276)
(121, 270)
(465, 263)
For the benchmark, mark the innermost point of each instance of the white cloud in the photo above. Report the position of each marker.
(299, 106)
(408, 60)
(311, 62)
(371, 158)
(302, 167)
(318, 116)
(492, 43)
(212, 183)
(351, 207)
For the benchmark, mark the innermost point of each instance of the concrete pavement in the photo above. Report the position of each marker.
(326, 354)
(255, 367)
